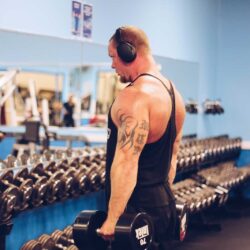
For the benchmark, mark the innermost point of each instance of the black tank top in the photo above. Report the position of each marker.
(154, 163)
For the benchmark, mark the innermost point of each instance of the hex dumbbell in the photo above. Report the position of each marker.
(132, 232)
(40, 185)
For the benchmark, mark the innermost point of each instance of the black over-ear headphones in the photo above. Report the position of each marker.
(125, 50)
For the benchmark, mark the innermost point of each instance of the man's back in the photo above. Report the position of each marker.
(151, 93)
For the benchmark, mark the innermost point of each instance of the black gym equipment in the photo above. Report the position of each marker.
(134, 232)
(39, 187)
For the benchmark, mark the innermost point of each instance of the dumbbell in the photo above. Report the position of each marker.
(93, 175)
(193, 203)
(81, 177)
(25, 186)
(90, 155)
(209, 193)
(34, 159)
(47, 242)
(6, 185)
(56, 241)
(61, 238)
(32, 245)
(23, 158)
(68, 178)
(194, 189)
(133, 232)
(101, 152)
(221, 193)
(68, 232)
(195, 197)
(56, 188)
(7, 202)
(39, 188)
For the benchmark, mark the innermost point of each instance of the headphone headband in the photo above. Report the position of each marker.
(118, 36)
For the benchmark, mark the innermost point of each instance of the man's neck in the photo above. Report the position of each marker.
(144, 65)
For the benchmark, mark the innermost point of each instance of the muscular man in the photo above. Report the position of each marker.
(145, 128)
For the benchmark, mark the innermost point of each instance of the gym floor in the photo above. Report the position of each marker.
(234, 234)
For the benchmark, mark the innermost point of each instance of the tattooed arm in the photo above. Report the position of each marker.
(133, 127)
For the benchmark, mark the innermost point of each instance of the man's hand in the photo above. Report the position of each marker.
(107, 231)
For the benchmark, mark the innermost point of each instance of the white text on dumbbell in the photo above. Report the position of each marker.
(142, 232)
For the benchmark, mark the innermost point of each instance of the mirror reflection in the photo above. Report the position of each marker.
(79, 93)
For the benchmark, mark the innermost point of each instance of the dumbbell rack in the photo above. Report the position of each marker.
(47, 217)
(44, 217)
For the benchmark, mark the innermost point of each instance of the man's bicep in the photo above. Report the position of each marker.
(133, 129)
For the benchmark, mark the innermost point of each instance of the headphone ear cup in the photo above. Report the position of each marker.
(126, 52)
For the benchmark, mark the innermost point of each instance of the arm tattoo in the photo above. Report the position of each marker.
(144, 125)
(132, 132)
(127, 132)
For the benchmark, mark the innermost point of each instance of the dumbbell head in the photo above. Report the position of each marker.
(23, 159)
(8, 188)
(37, 169)
(134, 231)
(39, 186)
(7, 175)
(34, 159)
(26, 188)
(7, 203)
(84, 230)
(46, 241)
(32, 245)
(61, 238)
(68, 231)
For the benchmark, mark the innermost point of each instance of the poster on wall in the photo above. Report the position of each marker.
(87, 20)
(76, 18)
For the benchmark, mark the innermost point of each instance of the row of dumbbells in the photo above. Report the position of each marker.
(198, 196)
(52, 155)
(209, 186)
(48, 181)
(58, 240)
(194, 153)
(213, 107)
(224, 174)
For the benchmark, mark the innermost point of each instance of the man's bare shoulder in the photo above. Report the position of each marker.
(131, 96)
(131, 101)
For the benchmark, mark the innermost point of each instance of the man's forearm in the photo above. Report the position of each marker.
(123, 181)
